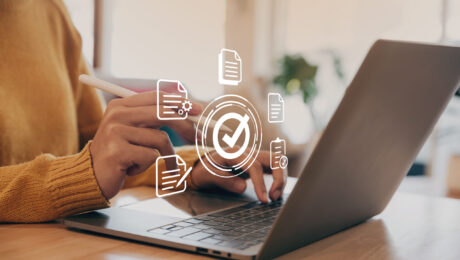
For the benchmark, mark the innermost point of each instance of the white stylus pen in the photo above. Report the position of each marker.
(123, 92)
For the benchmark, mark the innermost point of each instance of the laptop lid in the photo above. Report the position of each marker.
(386, 115)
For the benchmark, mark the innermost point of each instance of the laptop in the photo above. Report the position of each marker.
(384, 118)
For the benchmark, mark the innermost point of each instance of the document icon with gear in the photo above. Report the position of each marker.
(174, 97)
(169, 182)
(230, 67)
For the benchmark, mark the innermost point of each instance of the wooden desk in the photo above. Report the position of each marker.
(412, 227)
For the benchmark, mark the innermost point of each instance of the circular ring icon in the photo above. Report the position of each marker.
(231, 145)
(283, 162)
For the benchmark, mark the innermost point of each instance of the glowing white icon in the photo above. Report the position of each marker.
(231, 140)
(230, 67)
(278, 157)
(227, 154)
(174, 96)
(275, 108)
(170, 182)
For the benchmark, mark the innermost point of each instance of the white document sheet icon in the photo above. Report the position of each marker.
(167, 181)
(275, 108)
(230, 67)
(174, 108)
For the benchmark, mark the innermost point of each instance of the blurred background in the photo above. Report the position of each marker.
(308, 50)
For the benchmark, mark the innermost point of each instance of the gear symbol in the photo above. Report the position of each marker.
(187, 105)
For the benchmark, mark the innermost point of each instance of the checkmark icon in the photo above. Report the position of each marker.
(231, 141)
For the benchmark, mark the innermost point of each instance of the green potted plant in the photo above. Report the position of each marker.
(296, 76)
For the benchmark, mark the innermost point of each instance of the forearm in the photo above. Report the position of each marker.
(48, 188)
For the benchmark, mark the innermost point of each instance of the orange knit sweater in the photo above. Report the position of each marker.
(47, 116)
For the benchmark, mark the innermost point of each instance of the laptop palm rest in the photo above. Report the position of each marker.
(142, 216)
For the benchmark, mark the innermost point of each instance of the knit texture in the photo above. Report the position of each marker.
(47, 116)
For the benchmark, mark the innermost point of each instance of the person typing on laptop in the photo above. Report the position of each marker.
(49, 167)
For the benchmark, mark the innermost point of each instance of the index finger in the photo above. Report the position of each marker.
(277, 187)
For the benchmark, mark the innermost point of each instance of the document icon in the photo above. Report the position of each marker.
(230, 64)
(171, 182)
(275, 108)
(174, 96)
(278, 157)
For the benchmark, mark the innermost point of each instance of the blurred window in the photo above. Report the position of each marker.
(151, 39)
(318, 29)
(82, 13)
(174, 39)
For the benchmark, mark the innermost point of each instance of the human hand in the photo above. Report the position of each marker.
(205, 180)
(128, 140)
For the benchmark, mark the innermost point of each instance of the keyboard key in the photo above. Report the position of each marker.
(244, 238)
(206, 217)
(159, 231)
(194, 220)
(242, 222)
(223, 228)
(232, 217)
(211, 241)
(232, 224)
(226, 212)
(212, 223)
(253, 236)
(254, 219)
(197, 236)
(184, 232)
(183, 224)
(201, 226)
(212, 231)
(167, 226)
(232, 233)
(175, 228)
(244, 230)
(257, 225)
(221, 237)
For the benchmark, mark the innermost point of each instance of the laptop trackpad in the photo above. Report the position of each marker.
(192, 203)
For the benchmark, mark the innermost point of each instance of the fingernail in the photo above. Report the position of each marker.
(265, 196)
(276, 194)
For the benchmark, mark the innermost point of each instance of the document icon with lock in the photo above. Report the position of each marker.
(170, 182)
(278, 158)
(174, 97)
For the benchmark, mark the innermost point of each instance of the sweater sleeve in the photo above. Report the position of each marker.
(147, 178)
(49, 187)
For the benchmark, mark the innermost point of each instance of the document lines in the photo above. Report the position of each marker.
(230, 71)
(275, 108)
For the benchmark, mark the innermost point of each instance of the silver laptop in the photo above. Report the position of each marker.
(386, 115)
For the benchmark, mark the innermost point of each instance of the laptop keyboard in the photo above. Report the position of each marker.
(240, 227)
